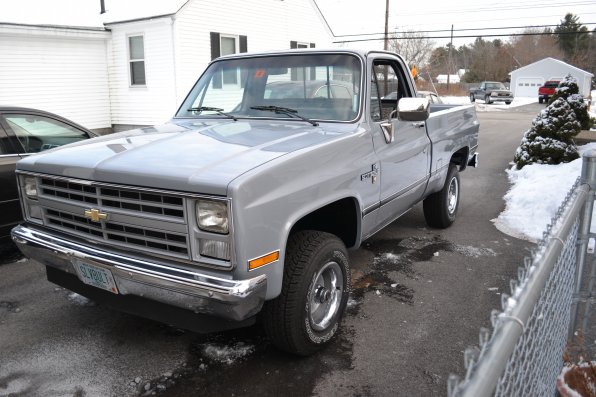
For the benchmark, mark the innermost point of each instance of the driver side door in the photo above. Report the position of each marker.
(404, 154)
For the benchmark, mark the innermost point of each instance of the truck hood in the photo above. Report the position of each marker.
(200, 156)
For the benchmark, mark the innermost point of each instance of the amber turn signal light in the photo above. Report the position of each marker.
(263, 260)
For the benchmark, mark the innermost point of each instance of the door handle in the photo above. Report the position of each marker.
(418, 125)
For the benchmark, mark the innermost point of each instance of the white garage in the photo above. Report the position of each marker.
(526, 80)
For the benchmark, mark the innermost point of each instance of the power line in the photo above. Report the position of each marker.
(464, 21)
(463, 36)
(500, 8)
(460, 30)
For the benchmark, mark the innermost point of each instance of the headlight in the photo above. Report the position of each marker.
(30, 187)
(494, 94)
(212, 216)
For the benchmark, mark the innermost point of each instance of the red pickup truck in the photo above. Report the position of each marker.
(547, 90)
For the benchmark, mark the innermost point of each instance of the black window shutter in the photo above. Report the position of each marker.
(293, 44)
(312, 45)
(215, 46)
(243, 44)
(215, 52)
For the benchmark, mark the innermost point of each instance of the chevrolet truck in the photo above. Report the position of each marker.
(491, 91)
(244, 205)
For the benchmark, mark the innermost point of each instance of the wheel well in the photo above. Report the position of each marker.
(338, 218)
(460, 158)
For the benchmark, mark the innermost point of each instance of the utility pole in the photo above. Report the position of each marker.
(449, 61)
(386, 44)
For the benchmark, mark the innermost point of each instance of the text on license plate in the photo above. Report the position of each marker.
(96, 276)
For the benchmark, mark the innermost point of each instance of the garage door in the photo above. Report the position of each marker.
(528, 86)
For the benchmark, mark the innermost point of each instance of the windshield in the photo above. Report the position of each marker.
(315, 86)
(496, 86)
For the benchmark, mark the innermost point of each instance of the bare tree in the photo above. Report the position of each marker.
(532, 48)
(415, 47)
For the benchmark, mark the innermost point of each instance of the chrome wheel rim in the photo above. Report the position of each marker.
(452, 196)
(326, 292)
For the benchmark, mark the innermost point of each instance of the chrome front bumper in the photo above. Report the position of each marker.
(201, 293)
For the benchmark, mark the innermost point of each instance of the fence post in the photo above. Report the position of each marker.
(588, 176)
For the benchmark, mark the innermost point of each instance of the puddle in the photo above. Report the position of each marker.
(395, 258)
(10, 306)
(230, 363)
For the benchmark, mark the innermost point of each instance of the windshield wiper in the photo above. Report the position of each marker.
(282, 110)
(211, 109)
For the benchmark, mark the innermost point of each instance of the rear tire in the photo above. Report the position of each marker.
(472, 99)
(508, 103)
(540, 100)
(440, 208)
(316, 284)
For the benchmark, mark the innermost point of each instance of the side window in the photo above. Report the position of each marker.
(37, 133)
(136, 60)
(388, 86)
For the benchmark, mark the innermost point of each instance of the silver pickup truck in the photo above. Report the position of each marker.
(245, 203)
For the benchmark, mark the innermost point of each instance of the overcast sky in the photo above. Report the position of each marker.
(357, 16)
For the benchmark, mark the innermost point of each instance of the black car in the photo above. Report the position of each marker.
(24, 132)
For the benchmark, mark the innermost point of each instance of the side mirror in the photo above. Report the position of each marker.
(413, 109)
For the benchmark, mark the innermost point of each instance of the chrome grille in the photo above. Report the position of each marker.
(142, 202)
(126, 199)
(138, 219)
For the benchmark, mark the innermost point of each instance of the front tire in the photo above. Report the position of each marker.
(487, 99)
(472, 99)
(440, 208)
(306, 315)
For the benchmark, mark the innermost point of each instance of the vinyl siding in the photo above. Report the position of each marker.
(269, 25)
(155, 102)
(64, 75)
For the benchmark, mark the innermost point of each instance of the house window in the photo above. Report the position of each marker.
(136, 59)
(228, 45)
(298, 74)
(298, 44)
(222, 44)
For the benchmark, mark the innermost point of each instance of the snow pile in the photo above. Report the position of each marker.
(536, 193)
(80, 300)
(225, 354)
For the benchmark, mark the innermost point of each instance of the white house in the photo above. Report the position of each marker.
(526, 80)
(442, 78)
(133, 65)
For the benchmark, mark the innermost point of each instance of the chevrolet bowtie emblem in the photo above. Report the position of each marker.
(95, 215)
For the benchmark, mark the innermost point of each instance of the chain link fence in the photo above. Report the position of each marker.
(549, 302)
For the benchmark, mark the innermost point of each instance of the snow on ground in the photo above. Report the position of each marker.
(537, 190)
(483, 107)
(536, 193)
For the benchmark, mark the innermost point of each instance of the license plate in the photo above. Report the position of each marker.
(96, 276)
